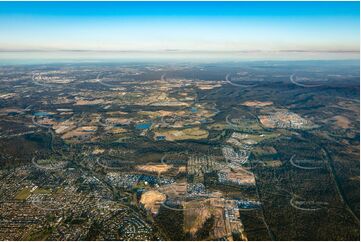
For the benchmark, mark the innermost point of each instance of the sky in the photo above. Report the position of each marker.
(294, 30)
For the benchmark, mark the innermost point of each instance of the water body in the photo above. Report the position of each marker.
(143, 125)
(159, 138)
(41, 114)
(194, 110)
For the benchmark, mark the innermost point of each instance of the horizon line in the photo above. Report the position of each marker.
(177, 50)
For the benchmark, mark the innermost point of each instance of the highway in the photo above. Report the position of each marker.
(270, 233)
(338, 187)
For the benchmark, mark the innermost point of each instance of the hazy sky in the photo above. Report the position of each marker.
(180, 28)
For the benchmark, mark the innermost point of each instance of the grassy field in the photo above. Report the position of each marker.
(42, 191)
(23, 194)
(184, 134)
(41, 235)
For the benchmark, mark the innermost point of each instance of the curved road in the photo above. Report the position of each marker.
(303, 167)
(292, 203)
(237, 85)
(293, 80)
